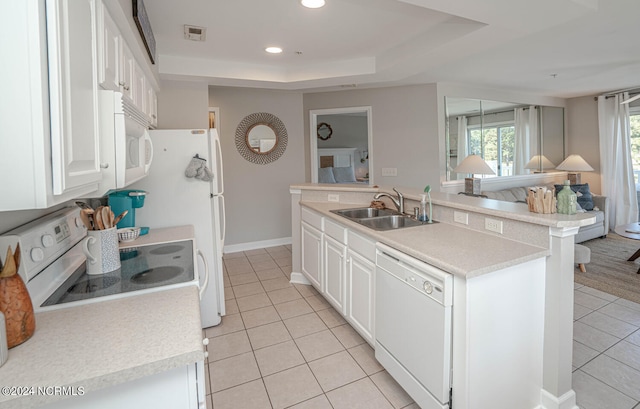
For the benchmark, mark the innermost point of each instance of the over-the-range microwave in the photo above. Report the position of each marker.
(127, 156)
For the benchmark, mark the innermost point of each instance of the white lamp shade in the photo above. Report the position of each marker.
(539, 162)
(575, 163)
(474, 164)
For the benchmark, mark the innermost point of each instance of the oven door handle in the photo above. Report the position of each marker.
(204, 285)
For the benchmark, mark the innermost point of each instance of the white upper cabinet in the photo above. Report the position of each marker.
(127, 67)
(49, 146)
(109, 51)
(73, 94)
(119, 70)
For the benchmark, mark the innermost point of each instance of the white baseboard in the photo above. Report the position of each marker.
(550, 401)
(299, 278)
(234, 248)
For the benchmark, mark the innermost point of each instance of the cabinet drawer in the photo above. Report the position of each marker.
(362, 245)
(335, 230)
(313, 218)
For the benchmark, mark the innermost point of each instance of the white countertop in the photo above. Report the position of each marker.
(474, 254)
(103, 344)
(498, 208)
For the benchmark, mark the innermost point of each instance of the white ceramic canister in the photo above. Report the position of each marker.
(4, 349)
(101, 249)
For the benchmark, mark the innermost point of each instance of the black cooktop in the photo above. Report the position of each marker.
(142, 267)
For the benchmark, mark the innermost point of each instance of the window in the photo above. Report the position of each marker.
(495, 144)
(634, 120)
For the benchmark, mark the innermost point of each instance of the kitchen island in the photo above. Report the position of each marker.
(89, 354)
(512, 289)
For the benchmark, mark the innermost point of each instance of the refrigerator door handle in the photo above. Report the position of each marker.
(204, 285)
(223, 233)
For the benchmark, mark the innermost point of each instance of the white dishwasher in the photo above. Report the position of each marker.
(413, 325)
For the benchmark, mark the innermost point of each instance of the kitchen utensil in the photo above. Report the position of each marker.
(83, 205)
(101, 249)
(120, 216)
(106, 217)
(86, 219)
(97, 219)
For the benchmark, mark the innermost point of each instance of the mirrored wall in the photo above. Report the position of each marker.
(514, 139)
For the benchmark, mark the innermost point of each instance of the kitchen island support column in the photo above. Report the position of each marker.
(557, 392)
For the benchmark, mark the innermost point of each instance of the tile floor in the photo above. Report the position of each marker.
(284, 346)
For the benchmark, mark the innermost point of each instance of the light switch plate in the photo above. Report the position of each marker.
(333, 198)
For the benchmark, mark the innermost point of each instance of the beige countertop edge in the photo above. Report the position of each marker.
(507, 210)
(150, 334)
(483, 253)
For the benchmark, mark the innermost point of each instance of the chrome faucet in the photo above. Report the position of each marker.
(398, 202)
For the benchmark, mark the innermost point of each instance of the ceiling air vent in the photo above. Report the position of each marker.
(195, 33)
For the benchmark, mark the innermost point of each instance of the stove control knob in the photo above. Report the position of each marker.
(47, 240)
(37, 254)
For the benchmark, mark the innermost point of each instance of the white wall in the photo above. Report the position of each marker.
(183, 105)
(257, 197)
(405, 133)
(583, 138)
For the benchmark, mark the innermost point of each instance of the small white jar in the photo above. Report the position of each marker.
(4, 350)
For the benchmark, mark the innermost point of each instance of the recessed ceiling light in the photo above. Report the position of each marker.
(312, 4)
(273, 50)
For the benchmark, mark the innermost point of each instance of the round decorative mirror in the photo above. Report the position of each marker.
(324, 131)
(261, 138)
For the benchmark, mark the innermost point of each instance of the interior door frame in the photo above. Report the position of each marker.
(313, 137)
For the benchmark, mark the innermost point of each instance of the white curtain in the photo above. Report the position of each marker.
(616, 168)
(526, 137)
(463, 141)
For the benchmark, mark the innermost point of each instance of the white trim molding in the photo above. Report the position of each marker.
(235, 248)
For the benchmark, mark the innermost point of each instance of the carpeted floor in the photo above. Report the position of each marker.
(609, 270)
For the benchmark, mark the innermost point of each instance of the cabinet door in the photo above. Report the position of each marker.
(361, 281)
(312, 255)
(334, 272)
(127, 64)
(73, 94)
(108, 52)
(139, 88)
(152, 105)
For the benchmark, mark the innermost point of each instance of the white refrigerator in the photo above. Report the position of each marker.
(175, 199)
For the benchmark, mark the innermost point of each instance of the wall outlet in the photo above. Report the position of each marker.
(333, 198)
(460, 217)
(493, 225)
(389, 171)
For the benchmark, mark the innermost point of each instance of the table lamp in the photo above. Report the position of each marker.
(539, 163)
(574, 164)
(473, 164)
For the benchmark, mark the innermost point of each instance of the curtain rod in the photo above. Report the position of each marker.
(610, 95)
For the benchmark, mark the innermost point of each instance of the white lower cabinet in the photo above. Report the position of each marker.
(335, 254)
(312, 254)
(361, 287)
(178, 388)
(340, 264)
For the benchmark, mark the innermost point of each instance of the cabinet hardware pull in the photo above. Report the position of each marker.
(104, 165)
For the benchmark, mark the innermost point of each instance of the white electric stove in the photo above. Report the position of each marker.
(53, 264)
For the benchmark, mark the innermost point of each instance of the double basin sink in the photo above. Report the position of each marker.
(378, 219)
